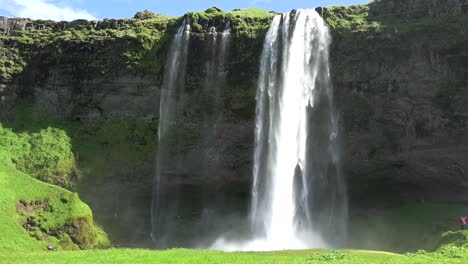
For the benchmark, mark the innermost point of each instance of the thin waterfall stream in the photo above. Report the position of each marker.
(172, 205)
(163, 209)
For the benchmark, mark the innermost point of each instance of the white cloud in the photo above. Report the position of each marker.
(44, 9)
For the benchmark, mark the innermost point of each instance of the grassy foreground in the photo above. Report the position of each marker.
(451, 255)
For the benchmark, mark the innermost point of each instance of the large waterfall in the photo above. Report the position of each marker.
(298, 193)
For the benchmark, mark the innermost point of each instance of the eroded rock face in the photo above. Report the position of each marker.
(400, 89)
(7, 24)
(125, 97)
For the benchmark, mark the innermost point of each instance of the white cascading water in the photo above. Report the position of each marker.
(294, 63)
(172, 92)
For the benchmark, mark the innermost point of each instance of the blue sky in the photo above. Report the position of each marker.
(99, 9)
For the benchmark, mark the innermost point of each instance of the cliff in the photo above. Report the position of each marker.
(399, 69)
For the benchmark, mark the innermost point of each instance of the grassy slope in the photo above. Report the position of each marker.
(15, 186)
(66, 207)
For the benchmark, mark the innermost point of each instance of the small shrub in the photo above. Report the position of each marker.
(328, 256)
(451, 251)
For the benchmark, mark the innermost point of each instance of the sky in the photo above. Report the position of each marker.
(99, 9)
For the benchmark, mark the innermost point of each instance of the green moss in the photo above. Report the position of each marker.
(50, 158)
(244, 22)
(98, 147)
(110, 47)
(102, 240)
(67, 244)
(85, 50)
(45, 155)
(348, 21)
(350, 18)
(82, 232)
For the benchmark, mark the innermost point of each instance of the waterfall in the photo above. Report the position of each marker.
(209, 147)
(175, 203)
(164, 209)
(298, 193)
(215, 75)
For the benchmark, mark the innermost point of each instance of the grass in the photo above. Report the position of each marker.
(17, 186)
(252, 13)
(187, 256)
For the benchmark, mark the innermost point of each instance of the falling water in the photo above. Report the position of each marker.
(210, 147)
(215, 75)
(171, 102)
(176, 204)
(298, 194)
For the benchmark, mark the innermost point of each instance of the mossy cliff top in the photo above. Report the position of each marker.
(252, 22)
(108, 48)
(133, 45)
(108, 43)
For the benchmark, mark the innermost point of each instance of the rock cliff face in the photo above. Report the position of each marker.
(400, 86)
(400, 76)
(399, 68)
(413, 9)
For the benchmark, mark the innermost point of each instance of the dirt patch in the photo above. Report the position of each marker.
(33, 206)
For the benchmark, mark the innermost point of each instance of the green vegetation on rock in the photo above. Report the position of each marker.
(45, 155)
(451, 238)
(50, 158)
(108, 45)
(249, 22)
(34, 214)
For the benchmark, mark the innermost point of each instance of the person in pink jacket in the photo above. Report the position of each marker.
(462, 222)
